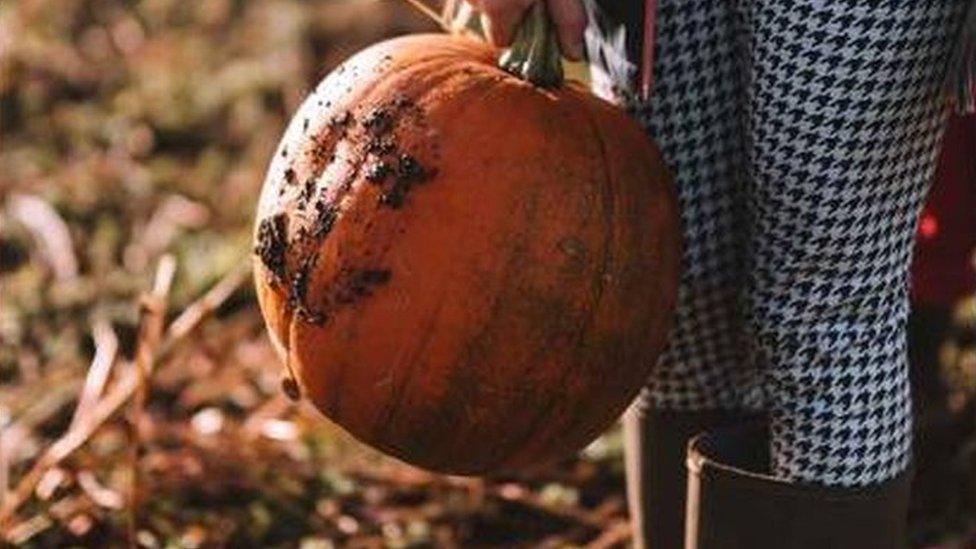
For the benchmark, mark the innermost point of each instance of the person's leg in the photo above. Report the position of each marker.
(845, 120)
(694, 115)
(845, 115)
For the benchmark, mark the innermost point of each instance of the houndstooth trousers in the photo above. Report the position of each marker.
(802, 135)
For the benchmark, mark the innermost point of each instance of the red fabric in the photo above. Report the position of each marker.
(943, 270)
(650, 39)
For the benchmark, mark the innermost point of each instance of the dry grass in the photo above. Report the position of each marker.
(139, 397)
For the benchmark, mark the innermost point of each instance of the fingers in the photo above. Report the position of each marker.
(500, 18)
(570, 21)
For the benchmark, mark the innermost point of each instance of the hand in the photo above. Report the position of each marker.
(501, 17)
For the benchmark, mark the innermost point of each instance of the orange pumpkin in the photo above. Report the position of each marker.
(462, 269)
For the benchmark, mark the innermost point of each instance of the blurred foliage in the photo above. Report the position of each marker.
(130, 129)
(944, 498)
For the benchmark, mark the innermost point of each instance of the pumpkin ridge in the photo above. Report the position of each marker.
(490, 84)
(359, 154)
(516, 255)
(365, 95)
(387, 417)
(503, 452)
(609, 232)
(327, 142)
(609, 188)
(479, 87)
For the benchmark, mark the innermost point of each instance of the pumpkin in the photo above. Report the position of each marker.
(462, 268)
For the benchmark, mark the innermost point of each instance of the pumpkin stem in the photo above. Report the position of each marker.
(534, 54)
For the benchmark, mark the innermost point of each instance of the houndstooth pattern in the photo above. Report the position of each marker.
(802, 135)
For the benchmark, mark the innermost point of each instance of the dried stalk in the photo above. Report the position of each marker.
(579, 516)
(203, 307)
(594, 521)
(152, 317)
(68, 443)
(4, 466)
(106, 349)
(464, 20)
(118, 394)
(430, 13)
(617, 535)
(49, 231)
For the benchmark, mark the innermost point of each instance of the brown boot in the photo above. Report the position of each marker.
(733, 503)
(655, 443)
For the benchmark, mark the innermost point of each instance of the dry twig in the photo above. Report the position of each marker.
(50, 232)
(152, 316)
(117, 395)
(203, 307)
(617, 535)
(428, 11)
(64, 446)
(106, 348)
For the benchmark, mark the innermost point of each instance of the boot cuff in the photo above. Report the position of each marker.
(734, 501)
